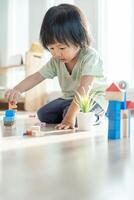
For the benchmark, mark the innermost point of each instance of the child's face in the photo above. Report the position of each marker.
(63, 52)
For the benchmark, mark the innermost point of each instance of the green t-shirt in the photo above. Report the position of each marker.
(88, 63)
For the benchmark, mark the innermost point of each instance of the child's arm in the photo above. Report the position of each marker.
(12, 95)
(70, 117)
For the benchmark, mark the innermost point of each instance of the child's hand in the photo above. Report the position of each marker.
(66, 125)
(12, 95)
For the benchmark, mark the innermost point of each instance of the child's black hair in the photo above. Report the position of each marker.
(66, 24)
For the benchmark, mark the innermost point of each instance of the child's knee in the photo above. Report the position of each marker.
(41, 115)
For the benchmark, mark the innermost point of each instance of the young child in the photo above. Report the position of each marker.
(65, 33)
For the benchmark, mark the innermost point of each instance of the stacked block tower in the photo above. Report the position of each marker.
(119, 112)
(9, 119)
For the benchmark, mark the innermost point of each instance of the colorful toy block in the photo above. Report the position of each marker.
(113, 92)
(130, 105)
(125, 123)
(12, 106)
(9, 118)
(113, 87)
(118, 112)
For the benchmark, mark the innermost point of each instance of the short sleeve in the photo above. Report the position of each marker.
(49, 69)
(92, 65)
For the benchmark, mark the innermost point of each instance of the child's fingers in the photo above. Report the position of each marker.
(7, 94)
(16, 97)
(64, 126)
(12, 96)
(58, 126)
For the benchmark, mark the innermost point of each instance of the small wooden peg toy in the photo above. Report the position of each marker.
(12, 106)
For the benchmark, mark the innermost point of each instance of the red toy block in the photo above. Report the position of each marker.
(28, 132)
(130, 105)
(113, 88)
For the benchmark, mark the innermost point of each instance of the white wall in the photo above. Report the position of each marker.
(3, 30)
(13, 29)
(90, 8)
(133, 43)
(18, 26)
(37, 10)
(117, 40)
(20, 22)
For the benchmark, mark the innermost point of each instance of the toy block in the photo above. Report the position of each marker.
(38, 133)
(12, 106)
(113, 134)
(117, 112)
(114, 125)
(114, 115)
(114, 128)
(130, 105)
(113, 88)
(113, 92)
(9, 113)
(125, 123)
(114, 105)
(33, 131)
(124, 103)
(118, 96)
(35, 128)
(8, 118)
(28, 133)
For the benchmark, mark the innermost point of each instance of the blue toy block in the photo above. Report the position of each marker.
(114, 115)
(9, 118)
(124, 103)
(113, 112)
(114, 105)
(9, 113)
(114, 118)
(114, 127)
(112, 134)
(115, 123)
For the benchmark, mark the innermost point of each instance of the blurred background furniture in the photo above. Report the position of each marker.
(10, 76)
(37, 96)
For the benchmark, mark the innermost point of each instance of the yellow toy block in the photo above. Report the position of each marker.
(12, 106)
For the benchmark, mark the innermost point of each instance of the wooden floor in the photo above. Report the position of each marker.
(65, 165)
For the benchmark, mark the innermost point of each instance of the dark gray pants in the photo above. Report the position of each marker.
(54, 111)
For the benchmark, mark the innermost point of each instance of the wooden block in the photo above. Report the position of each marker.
(117, 96)
(11, 105)
(35, 128)
(125, 123)
(38, 133)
